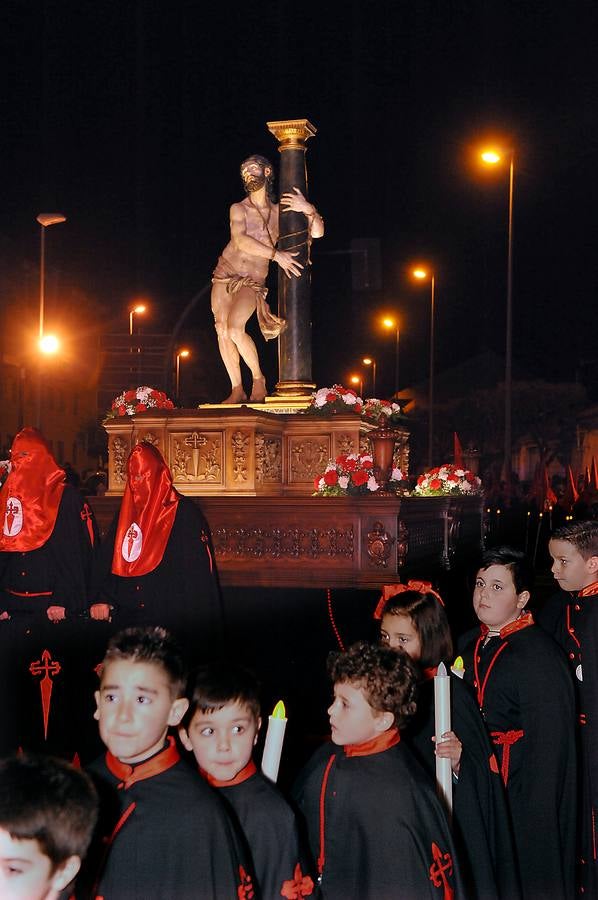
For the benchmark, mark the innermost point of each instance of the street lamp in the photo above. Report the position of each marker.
(184, 354)
(423, 274)
(492, 157)
(49, 344)
(390, 323)
(369, 361)
(357, 380)
(139, 310)
(45, 220)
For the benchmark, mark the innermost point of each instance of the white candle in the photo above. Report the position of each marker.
(442, 724)
(277, 724)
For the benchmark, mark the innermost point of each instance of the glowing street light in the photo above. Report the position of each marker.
(492, 157)
(391, 324)
(357, 380)
(423, 274)
(369, 361)
(181, 354)
(45, 220)
(137, 310)
(49, 344)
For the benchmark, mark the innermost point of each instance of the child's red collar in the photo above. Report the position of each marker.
(523, 621)
(245, 773)
(377, 744)
(589, 591)
(129, 775)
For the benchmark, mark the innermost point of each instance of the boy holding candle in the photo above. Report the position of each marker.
(571, 616)
(167, 834)
(525, 695)
(221, 728)
(374, 822)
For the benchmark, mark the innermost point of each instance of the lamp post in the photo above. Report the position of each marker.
(184, 354)
(357, 380)
(137, 310)
(492, 158)
(369, 361)
(390, 323)
(47, 346)
(423, 274)
(45, 220)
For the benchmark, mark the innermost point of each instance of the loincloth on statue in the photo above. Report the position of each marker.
(270, 325)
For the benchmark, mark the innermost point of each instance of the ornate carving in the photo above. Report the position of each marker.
(240, 444)
(379, 545)
(268, 459)
(120, 450)
(150, 438)
(402, 544)
(196, 457)
(308, 458)
(283, 543)
(345, 445)
(292, 133)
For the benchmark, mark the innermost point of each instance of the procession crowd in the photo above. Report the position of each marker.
(177, 806)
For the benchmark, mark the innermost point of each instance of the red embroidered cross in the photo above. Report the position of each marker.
(11, 509)
(132, 533)
(245, 889)
(442, 865)
(46, 667)
(298, 886)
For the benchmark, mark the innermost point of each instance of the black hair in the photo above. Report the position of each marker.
(429, 620)
(515, 561)
(150, 645)
(49, 801)
(583, 536)
(263, 162)
(216, 685)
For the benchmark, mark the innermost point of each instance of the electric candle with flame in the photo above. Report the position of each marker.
(458, 668)
(277, 723)
(442, 724)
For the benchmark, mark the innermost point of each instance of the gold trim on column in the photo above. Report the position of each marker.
(292, 133)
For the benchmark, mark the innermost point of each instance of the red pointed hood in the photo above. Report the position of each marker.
(147, 513)
(31, 495)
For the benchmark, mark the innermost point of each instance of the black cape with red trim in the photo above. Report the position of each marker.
(182, 593)
(573, 622)
(177, 843)
(481, 824)
(270, 828)
(42, 665)
(385, 835)
(528, 689)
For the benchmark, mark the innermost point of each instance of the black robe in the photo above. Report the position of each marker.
(46, 683)
(270, 828)
(526, 698)
(168, 834)
(481, 824)
(573, 622)
(182, 593)
(385, 835)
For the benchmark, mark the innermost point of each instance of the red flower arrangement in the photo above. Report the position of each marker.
(139, 400)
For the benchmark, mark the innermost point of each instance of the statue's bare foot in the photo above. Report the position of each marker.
(258, 391)
(237, 395)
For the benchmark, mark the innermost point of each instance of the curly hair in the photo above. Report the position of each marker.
(387, 678)
(429, 620)
(583, 536)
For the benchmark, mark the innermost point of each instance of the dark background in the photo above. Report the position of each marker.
(131, 118)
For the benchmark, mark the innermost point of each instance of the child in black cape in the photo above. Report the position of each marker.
(374, 821)
(167, 834)
(526, 697)
(413, 620)
(221, 728)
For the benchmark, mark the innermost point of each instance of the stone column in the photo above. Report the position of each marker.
(294, 300)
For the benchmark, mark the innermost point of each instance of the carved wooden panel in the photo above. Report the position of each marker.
(196, 457)
(239, 448)
(268, 459)
(119, 456)
(283, 543)
(308, 455)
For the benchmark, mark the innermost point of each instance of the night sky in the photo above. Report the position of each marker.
(132, 119)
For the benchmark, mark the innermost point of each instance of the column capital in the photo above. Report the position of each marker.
(291, 134)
